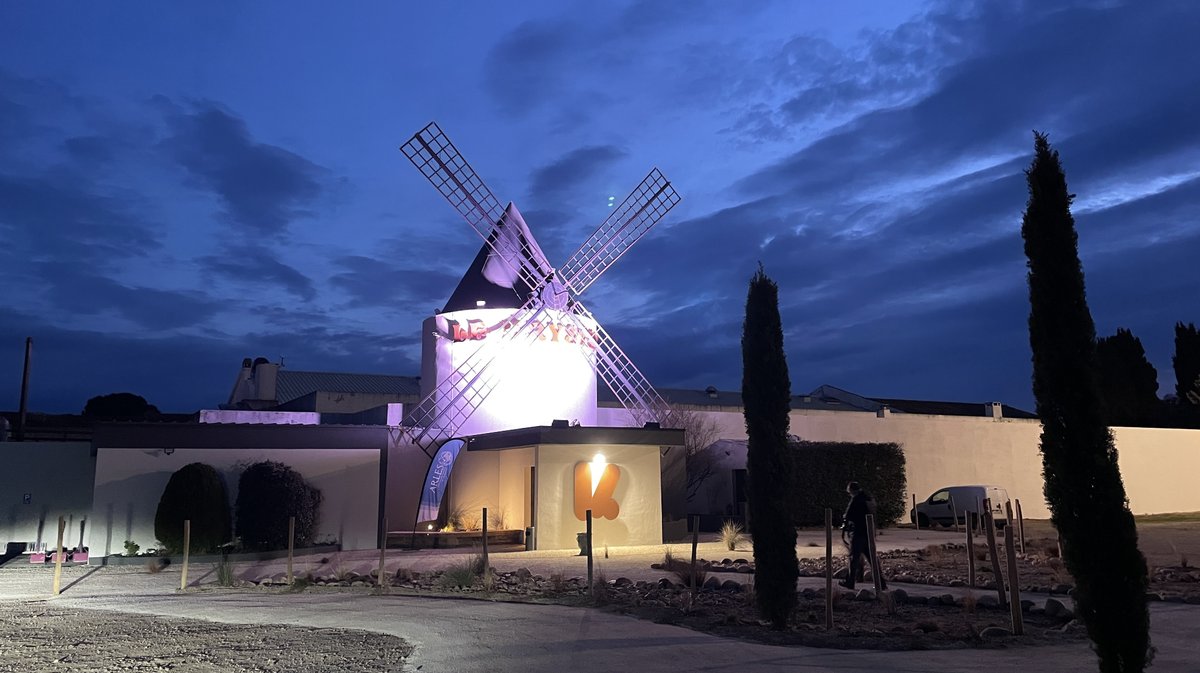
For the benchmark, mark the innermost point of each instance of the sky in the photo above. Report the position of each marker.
(183, 185)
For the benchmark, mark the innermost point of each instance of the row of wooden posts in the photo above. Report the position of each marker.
(1012, 600)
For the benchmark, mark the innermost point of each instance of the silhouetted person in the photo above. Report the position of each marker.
(854, 521)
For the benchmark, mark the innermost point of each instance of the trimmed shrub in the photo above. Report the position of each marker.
(822, 470)
(196, 492)
(268, 494)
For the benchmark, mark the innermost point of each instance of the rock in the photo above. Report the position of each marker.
(807, 592)
(731, 586)
(864, 595)
(987, 601)
(523, 575)
(945, 599)
(711, 584)
(665, 583)
(841, 574)
(917, 600)
(957, 583)
(1151, 596)
(740, 560)
(743, 568)
(900, 595)
(358, 583)
(1026, 605)
(994, 632)
(1056, 610)
(726, 562)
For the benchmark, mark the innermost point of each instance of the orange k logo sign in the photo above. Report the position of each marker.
(596, 492)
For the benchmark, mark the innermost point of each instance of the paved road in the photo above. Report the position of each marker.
(474, 636)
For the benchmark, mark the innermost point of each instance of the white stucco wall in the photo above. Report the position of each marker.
(498, 480)
(1157, 464)
(58, 478)
(130, 482)
(638, 492)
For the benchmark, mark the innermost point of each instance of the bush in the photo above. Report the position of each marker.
(822, 470)
(268, 493)
(196, 492)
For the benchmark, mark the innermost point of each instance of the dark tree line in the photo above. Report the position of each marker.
(1129, 383)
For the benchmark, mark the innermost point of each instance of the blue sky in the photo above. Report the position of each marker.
(184, 186)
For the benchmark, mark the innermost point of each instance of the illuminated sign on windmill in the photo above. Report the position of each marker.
(488, 366)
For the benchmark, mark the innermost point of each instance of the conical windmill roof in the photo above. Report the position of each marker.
(492, 278)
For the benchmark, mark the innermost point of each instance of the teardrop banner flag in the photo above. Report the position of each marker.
(437, 479)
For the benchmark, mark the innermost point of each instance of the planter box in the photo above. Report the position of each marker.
(37, 557)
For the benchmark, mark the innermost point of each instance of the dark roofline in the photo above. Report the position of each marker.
(543, 434)
(237, 436)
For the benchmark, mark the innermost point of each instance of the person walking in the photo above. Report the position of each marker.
(854, 521)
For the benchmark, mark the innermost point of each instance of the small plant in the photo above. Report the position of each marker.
(224, 573)
(459, 575)
(970, 603)
(472, 521)
(731, 534)
(488, 580)
(688, 576)
(131, 548)
(601, 589)
(500, 519)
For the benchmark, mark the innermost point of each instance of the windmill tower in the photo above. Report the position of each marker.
(515, 346)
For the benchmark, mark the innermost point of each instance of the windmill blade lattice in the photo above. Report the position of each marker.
(622, 377)
(648, 203)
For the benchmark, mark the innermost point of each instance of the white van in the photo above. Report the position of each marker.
(964, 501)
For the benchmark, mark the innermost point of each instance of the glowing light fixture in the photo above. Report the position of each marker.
(430, 526)
(597, 470)
(480, 303)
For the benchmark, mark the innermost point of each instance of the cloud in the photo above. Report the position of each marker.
(371, 282)
(255, 265)
(574, 169)
(74, 290)
(263, 187)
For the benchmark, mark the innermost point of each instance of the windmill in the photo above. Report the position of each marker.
(552, 294)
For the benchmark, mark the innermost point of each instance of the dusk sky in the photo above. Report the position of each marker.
(184, 185)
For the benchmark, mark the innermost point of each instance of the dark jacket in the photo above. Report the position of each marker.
(860, 506)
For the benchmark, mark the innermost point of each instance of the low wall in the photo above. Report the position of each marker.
(130, 482)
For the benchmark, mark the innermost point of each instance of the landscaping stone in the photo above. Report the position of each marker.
(994, 632)
(731, 586)
(1055, 609)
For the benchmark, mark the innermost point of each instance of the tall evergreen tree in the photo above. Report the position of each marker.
(1186, 360)
(766, 395)
(1079, 460)
(1128, 382)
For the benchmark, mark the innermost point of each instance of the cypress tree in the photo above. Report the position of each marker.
(1079, 459)
(1128, 382)
(766, 396)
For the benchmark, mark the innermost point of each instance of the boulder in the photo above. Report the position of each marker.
(987, 601)
(711, 584)
(523, 575)
(864, 595)
(731, 586)
(993, 632)
(900, 595)
(1056, 610)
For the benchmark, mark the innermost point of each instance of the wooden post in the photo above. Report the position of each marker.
(990, 529)
(916, 519)
(876, 574)
(954, 513)
(382, 582)
(695, 542)
(980, 508)
(486, 561)
(588, 516)
(1020, 525)
(829, 569)
(187, 549)
(291, 545)
(970, 558)
(58, 556)
(1014, 585)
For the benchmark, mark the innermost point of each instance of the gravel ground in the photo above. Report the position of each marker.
(41, 637)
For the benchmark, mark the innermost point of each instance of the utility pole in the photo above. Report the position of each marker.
(19, 435)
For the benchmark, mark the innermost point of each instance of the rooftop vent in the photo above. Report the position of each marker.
(711, 391)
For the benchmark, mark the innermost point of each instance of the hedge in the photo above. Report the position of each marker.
(822, 470)
(196, 492)
(268, 494)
